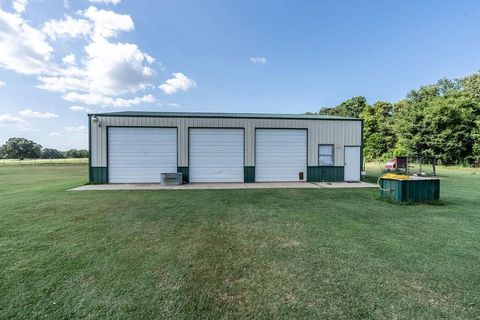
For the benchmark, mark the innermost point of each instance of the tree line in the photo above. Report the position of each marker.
(21, 148)
(440, 121)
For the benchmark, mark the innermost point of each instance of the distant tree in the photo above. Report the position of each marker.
(379, 134)
(440, 121)
(21, 148)
(83, 153)
(471, 86)
(48, 153)
(439, 128)
(75, 153)
(352, 107)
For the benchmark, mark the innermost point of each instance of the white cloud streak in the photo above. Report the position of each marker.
(19, 5)
(101, 100)
(66, 28)
(114, 2)
(35, 114)
(79, 129)
(23, 48)
(258, 60)
(179, 82)
(69, 59)
(9, 120)
(79, 109)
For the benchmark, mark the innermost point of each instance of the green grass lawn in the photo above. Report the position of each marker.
(16, 162)
(211, 254)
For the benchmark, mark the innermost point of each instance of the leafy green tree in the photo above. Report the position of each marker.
(471, 85)
(353, 107)
(379, 135)
(440, 121)
(48, 153)
(21, 148)
(74, 153)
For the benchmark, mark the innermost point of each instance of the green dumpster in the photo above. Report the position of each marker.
(413, 189)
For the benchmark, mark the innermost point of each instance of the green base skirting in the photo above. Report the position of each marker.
(98, 175)
(184, 172)
(248, 174)
(325, 174)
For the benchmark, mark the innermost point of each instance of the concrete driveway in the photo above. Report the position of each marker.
(202, 186)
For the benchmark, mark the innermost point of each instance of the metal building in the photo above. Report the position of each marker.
(135, 147)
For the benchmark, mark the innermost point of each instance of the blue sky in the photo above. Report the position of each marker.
(61, 59)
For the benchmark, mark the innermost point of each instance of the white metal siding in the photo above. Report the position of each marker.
(336, 132)
(139, 155)
(281, 155)
(216, 155)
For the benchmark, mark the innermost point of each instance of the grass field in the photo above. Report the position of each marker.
(16, 162)
(223, 254)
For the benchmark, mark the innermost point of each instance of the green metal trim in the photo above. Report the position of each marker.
(98, 175)
(361, 152)
(90, 148)
(184, 172)
(325, 173)
(249, 174)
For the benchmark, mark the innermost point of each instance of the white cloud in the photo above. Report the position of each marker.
(69, 59)
(116, 68)
(175, 105)
(98, 99)
(107, 24)
(79, 129)
(35, 114)
(23, 48)
(114, 2)
(258, 60)
(19, 5)
(8, 120)
(2, 84)
(105, 70)
(55, 134)
(79, 108)
(108, 68)
(66, 28)
(179, 82)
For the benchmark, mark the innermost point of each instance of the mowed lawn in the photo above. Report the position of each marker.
(224, 254)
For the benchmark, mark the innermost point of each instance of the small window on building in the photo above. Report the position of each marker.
(325, 155)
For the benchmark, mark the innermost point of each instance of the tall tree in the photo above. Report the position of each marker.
(21, 148)
(349, 108)
(379, 135)
(48, 153)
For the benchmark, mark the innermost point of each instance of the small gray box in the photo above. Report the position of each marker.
(171, 179)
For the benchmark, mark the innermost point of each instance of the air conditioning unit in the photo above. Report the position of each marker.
(171, 179)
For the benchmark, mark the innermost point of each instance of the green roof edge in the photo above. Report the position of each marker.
(221, 115)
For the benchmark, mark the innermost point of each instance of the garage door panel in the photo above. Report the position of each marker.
(280, 154)
(139, 155)
(216, 155)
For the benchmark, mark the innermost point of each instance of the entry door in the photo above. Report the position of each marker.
(352, 163)
(280, 155)
(140, 155)
(216, 155)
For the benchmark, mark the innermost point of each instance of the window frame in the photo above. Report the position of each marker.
(332, 155)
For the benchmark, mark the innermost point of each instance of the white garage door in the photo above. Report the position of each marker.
(216, 155)
(139, 155)
(281, 154)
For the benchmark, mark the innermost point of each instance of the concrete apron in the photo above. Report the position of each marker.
(206, 186)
